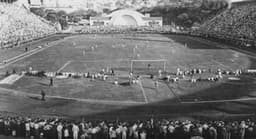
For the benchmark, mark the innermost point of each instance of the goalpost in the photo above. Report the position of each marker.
(148, 65)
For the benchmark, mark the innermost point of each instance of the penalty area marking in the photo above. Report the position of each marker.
(172, 92)
(65, 65)
(218, 101)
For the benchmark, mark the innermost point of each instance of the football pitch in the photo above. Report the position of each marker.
(73, 97)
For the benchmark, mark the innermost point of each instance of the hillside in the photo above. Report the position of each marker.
(187, 14)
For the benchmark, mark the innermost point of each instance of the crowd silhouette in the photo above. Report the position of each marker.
(56, 128)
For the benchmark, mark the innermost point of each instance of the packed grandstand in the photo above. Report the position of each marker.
(235, 25)
(18, 25)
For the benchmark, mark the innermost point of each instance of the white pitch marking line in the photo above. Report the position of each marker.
(104, 60)
(143, 91)
(95, 100)
(15, 92)
(21, 55)
(172, 92)
(11, 79)
(65, 65)
(32, 53)
(25, 56)
(218, 101)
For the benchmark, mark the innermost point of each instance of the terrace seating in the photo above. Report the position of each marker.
(18, 25)
(236, 25)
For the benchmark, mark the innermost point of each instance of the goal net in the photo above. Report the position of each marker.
(148, 66)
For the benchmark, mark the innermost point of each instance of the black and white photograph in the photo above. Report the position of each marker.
(127, 69)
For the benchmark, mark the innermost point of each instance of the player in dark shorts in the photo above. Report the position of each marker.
(51, 82)
(112, 72)
(149, 66)
(42, 95)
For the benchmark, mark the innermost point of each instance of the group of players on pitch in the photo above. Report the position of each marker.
(187, 75)
(190, 75)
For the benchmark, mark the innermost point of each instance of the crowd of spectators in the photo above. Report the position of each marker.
(18, 25)
(236, 25)
(56, 128)
(124, 29)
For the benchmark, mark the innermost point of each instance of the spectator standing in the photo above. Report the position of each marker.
(36, 130)
(75, 130)
(59, 130)
(1, 126)
(124, 132)
(27, 126)
(65, 132)
(112, 133)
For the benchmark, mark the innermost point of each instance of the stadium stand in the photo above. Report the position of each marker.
(18, 25)
(235, 25)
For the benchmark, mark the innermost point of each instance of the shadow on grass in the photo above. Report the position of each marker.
(125, 83)
(172, 108)
(192, 42)
(43, 84)
(35, 98)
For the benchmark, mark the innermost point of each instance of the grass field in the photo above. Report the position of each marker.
(102, 99)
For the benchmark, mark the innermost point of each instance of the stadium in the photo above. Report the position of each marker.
(128, 80)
